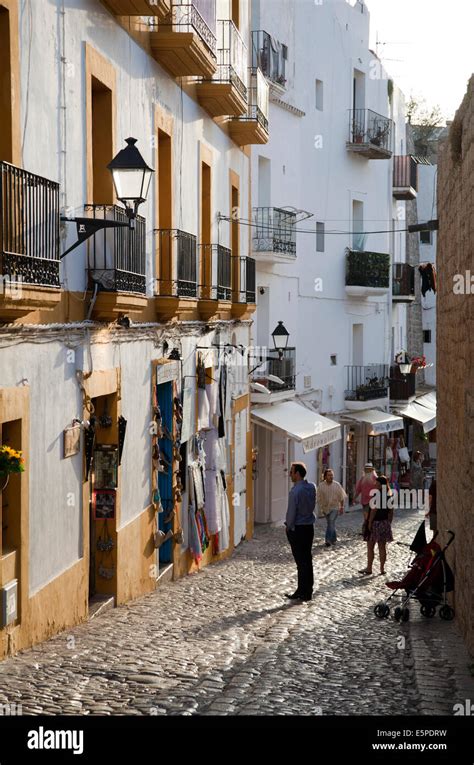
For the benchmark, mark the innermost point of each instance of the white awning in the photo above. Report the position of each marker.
(308, 428)
(423, 410)
(382, 422)
(428, 400)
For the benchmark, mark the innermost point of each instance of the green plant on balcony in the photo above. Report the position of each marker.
(368, 269)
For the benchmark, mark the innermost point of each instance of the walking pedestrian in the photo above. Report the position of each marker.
(299, 524)
(364, 486)
(331, 498)
(379, 525)
(417, 474)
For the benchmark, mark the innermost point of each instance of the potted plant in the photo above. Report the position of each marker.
(281, 80)
(11, 461)
(418, 362)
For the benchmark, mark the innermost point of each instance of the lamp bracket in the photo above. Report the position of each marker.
(86, 227)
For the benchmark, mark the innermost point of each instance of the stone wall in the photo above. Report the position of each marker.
(455, 355)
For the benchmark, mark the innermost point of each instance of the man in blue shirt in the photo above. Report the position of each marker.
(300, 519)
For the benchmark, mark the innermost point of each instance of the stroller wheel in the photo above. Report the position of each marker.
(446, 613)
(428, 611)
(381, 610)
(397, 614)
(405, 615)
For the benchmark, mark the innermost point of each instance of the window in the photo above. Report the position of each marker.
(425, 237)
(334, 359)
(319, 237)
(427, 335)
(319, 95)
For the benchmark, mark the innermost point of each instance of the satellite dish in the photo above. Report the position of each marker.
(259, 388)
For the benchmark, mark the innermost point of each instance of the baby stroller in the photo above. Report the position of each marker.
(428, 580)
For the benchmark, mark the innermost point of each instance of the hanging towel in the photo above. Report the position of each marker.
(428, 278)
(198, 485)
(195, 547)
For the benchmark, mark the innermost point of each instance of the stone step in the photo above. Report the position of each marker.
(100, 603)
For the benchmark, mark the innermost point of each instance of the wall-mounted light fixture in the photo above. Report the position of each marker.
(131, 176)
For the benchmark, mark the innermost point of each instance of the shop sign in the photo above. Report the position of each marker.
(167, 372)
(71, 441)
(385, 427)
(321, 439)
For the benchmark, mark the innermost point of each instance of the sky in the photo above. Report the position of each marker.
(434, 40)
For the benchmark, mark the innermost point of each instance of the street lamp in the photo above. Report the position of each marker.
(131, 176)
(280, 338)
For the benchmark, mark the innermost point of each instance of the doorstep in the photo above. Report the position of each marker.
(100, 603)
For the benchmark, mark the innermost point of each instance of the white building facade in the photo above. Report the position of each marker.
(119, 377)
(323, 181)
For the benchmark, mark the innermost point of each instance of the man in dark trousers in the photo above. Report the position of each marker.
(300, 519)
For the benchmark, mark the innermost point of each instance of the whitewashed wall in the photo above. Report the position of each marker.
(312, 170)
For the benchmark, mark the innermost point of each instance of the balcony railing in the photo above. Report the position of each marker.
(364, 383)
(270, 56)
(283, 367)
(216, 272)
(402, 387)
(198, 17)
(250, 281)
(370, 133)
(275, 230)
(405, 177)
(178, 250)
(403, 281)
(367, 269)
(231, 57)
(117, 256)
(29, 227)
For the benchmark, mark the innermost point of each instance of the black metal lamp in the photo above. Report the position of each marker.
(131, 176)
(280, 338)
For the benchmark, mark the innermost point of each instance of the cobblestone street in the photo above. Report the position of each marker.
(226, 642)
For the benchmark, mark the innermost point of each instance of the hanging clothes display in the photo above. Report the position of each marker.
(222, 399)
(215, 461)
(428, 278)
(224, 512)
(198, 486)
(195, 547)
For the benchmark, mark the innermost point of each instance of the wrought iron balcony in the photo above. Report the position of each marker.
(185, 41)
(29, 228)
(269, 55)
(117, 256)
(178, 264)
(274, 232)
(403, 283)
(367, 273)
(364, 383)
(252, 127)
(405, 177)
(402, 387)
(284, 368)
(216, 272)
(226, 92)
(370, 134)
(138, 7)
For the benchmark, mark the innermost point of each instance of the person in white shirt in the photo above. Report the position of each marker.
(331, 499)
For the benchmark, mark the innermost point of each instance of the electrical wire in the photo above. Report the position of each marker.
(313, 232)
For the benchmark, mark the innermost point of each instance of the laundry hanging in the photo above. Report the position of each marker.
(428, 278)
(222, 399)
